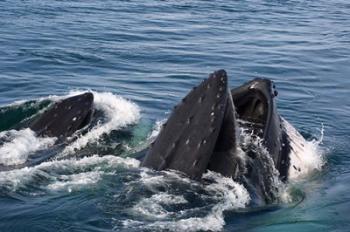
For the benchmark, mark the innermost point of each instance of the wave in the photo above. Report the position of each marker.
(20, 145)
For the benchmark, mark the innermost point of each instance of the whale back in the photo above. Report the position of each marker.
(65, 117)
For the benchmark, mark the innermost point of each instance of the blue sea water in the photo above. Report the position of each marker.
(152, 53)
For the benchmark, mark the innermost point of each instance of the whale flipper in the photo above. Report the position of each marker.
(188, 140)
(65, 117)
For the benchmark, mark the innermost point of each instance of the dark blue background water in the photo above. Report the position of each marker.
(153, 52)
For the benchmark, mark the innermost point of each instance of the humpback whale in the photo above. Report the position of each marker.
(62, 119)
(65, 117)
(202, 131)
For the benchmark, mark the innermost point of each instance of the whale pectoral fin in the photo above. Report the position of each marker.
(187, 141)
(65, 117)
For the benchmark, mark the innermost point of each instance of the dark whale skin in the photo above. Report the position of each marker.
(189, 138)
(65, 117)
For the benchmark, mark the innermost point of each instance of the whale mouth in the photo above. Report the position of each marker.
(254, 104)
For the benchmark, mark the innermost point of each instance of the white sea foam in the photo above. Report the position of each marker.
(227, 194)
(306, 156)
(267, 165)
(70, 182)
(65, 173)
(119, 113)
(156, 129)
(20, 144)
(152, 206)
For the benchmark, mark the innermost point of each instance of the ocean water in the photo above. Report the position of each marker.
(140, 58)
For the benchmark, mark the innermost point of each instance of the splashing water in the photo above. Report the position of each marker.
(119, 112)
(219, 195)
(20, 144)
(306, 156)
(64, 174)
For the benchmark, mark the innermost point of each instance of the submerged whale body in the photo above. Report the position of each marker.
(201, 134)
(65, 117)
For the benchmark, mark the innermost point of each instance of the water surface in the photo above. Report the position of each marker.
(151, 53)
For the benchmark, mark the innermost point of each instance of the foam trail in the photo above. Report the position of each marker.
(226, 194)
(70, 182)
(20, 145)
(119, 113)
(65, 174)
